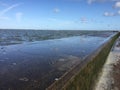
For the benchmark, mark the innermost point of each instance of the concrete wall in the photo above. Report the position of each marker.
(83, 75)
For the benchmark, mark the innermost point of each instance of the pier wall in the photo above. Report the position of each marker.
(85, 73)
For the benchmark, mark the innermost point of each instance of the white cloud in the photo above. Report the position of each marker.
(19, 16)
(92, 1)
(109, 14)
(8, 9)
(117, 4)
(56, 10)
(4, 11)
(112, 14)
(118, 12)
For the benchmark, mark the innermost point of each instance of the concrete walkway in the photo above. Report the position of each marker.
(110, 76)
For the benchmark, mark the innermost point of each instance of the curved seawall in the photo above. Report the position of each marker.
(84, 74)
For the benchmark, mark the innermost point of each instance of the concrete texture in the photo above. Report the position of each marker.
(109, 77)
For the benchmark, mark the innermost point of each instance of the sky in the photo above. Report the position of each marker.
(60, 14)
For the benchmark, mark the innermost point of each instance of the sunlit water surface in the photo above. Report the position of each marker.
(35, 65)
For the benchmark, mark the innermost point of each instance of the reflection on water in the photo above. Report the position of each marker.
(35, 65)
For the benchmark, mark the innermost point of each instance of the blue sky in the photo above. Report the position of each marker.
(60, 14)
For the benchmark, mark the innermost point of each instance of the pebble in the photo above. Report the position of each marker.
(24, 79)
(56, 79)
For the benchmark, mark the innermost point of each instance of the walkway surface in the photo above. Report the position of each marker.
(110, 76)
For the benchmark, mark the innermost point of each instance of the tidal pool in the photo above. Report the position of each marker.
(36, 65)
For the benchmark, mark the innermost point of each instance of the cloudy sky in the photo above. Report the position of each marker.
(60, 14)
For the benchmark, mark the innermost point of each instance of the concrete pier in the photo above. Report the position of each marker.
(110, 76)
(84, 75)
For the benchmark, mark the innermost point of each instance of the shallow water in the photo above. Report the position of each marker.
(35, 65)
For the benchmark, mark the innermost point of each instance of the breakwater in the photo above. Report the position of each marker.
(84, 74)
